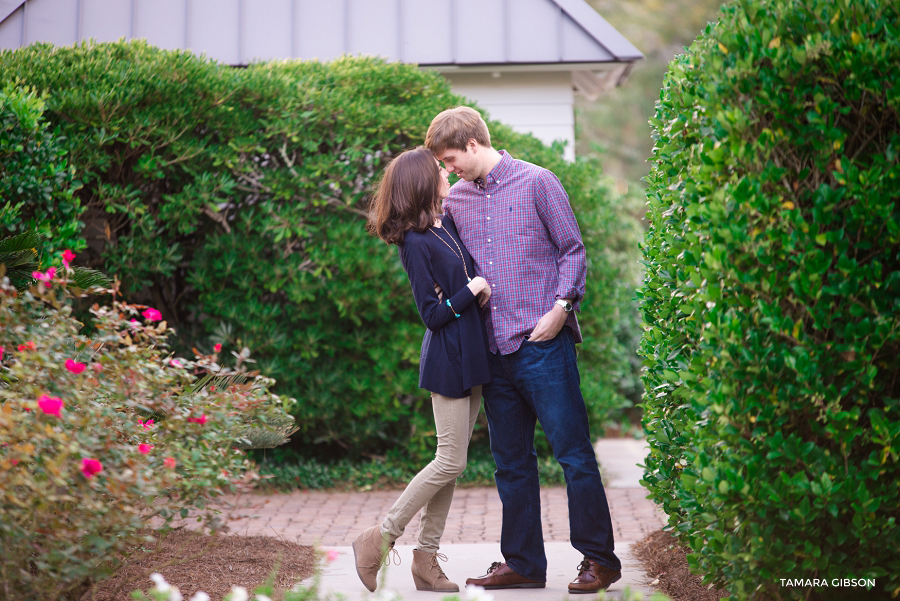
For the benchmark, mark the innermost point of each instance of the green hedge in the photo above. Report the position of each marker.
(233, 200)
(36, 182)
(772, 299)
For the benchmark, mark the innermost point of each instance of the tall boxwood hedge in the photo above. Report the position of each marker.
(234, 200)
(36, 181)
(772, 299)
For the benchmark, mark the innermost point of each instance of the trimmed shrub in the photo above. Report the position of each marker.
(234, 200)
(36, 182)
(772, 299)
(100, 435)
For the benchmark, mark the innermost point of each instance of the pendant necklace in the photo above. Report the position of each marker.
(459, 254)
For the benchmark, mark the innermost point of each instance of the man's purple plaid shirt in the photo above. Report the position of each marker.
(521, 232)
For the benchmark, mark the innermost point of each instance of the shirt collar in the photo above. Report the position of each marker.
(498, 172)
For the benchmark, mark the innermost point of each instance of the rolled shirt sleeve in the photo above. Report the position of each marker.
(553, 207)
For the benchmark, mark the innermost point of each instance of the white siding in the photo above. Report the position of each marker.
(537, 103)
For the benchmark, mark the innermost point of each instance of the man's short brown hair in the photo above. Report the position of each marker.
(454, 128)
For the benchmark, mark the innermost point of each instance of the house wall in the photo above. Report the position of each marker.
(541, 104)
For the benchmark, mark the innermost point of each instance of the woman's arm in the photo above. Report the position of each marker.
(435, 313)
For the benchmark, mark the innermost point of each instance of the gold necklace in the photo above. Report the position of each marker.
(460, 254)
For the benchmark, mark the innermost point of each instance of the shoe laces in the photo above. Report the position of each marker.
(387, 559)
(494, 566)
(434, 563)
(584, 566)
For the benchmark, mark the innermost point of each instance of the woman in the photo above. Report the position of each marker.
(406, 212)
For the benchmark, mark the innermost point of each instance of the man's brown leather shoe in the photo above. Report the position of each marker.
(593, 577)
(500, 575)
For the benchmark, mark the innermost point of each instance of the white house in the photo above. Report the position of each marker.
(521, 60)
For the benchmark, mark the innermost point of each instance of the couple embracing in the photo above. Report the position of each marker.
(497, 268)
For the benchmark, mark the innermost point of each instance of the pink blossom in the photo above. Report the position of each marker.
(75, 367)
(152, 314)
(1, 353)
(144, 448)
(47, 276)
(97, 367)
(50, 405)
(89, 467)
(147, 425)
(68, 255)
(30, 346)
(332, 555)
(14, 461)
(175, 363)
(198, 420)
(218, 348)
(169, 462)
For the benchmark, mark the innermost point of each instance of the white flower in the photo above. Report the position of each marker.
(238, 593)
(175, 594)
(477, 593)
(262, 597)
(161, 584)
(386, 595)
(200, 596)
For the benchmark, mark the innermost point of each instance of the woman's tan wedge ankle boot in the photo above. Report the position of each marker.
(428, 575)
(369, 550)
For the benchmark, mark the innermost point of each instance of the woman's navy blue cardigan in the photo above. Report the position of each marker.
(454, 349)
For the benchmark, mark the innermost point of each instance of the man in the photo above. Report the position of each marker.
(515, 220)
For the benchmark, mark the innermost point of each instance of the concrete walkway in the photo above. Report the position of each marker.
(471, 539)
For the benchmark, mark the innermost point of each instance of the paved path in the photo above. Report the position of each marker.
(471, 539)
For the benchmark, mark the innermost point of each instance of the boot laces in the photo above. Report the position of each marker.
(494, 566)
(584, 566)
(434, 563)
(387, 558)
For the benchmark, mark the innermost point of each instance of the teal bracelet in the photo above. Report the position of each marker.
(451, 308)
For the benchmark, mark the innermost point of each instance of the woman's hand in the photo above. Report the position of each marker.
(481, 289)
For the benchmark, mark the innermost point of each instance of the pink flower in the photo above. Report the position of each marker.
(147, 425)
(332, 555)
(218, 348)
(50, 405)
(169, 462)
(1, 353)
(152, 314)
(14, 461)
(75, 367)
(175, 363)
(97, 367)
(198, 420)
(30, 346)
(89, 467)
(144, 448)
(46, 276)
(68, 255)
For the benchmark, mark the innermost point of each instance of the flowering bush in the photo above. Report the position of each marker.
(100, 434)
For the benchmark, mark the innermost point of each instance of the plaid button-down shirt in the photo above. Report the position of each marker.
(520, 230)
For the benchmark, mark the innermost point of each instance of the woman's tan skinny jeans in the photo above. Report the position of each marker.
(433, 487)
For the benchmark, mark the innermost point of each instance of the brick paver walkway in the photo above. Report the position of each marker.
(335, 518)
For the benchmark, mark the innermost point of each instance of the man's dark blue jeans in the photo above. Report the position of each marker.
(540, 382)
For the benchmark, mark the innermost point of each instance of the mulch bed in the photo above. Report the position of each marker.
(666, 562)
(194, 561)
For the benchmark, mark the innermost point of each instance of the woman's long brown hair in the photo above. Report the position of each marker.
(407, 197)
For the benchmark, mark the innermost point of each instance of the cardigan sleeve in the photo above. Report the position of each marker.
(416, 259)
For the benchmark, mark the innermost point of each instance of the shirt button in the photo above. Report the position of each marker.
(490, 262)
(494, 307)
(489, 218)
(489, 239)
(493, 285)
(488, 195)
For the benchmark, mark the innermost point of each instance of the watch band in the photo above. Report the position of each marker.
(566, 305)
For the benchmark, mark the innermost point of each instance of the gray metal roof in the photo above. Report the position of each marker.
(462, 33)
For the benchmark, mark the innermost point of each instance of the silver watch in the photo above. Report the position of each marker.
(566, 305)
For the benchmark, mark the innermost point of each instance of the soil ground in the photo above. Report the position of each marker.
(193, 562)
(665, 562)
